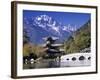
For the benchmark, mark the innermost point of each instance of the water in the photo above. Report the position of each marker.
(76, 63)
(51, 63)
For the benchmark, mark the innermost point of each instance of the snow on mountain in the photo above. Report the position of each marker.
(69, 28)
(47, 23)
(44, 25)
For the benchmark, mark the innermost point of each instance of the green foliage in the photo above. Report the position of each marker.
(35, 49)
(26, 38)
(80, 40)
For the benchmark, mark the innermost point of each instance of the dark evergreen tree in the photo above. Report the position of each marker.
(26, 38)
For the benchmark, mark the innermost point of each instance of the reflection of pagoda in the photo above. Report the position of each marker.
(53, 50)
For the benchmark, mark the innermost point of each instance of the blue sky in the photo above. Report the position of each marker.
(65, 18)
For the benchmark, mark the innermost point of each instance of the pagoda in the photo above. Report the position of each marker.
(53, 50)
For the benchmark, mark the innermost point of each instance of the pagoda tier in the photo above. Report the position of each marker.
(52, 51)
(52, 48)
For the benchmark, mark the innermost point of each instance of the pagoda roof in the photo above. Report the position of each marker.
(54, 45)
(52, 37)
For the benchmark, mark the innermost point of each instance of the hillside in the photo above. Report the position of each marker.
(80, 40)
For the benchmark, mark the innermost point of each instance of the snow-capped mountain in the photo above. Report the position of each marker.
(48, 24)
(44, 26)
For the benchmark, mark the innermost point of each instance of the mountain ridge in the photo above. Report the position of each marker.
(44, 26)
(80, 40)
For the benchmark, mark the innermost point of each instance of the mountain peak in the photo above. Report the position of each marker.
(42, 18)
(70, 28)
(43, 25)
(47, 23)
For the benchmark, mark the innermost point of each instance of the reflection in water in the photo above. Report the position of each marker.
(51, 63)
(43, 64)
